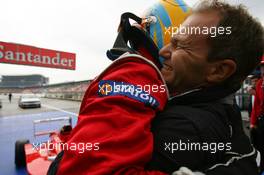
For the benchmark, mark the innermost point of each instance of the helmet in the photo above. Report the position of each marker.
(152, 31)
(168, 14)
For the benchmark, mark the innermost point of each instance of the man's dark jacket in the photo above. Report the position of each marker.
(206, 117)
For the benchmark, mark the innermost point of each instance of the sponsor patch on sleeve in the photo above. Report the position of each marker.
(113, 88)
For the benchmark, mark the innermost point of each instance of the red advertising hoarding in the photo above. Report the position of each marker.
(29, 55)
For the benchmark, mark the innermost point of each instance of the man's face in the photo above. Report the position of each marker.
(185, 65)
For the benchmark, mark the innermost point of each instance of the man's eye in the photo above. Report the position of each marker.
(175, 45)
(178, 47)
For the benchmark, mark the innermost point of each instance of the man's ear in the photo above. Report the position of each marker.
(220, 71)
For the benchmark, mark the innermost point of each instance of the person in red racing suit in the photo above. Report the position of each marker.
(258, 107)
(110, 109)
(256, 119)
(258, 103)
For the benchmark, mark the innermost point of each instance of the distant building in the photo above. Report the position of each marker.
(23, 81)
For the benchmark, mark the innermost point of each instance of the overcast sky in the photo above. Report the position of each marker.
(87, 28)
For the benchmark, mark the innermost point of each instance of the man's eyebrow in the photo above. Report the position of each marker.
(179, 40)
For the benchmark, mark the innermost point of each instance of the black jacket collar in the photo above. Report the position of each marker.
(203, 95)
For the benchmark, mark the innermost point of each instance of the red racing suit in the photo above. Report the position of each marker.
(114, 121)
(258, 106)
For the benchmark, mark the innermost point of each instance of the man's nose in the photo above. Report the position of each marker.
(165, 52)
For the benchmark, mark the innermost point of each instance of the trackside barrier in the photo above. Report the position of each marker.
(75, 96)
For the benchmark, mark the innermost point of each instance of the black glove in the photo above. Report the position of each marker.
(135, 36)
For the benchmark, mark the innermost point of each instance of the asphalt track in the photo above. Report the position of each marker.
(17, 123)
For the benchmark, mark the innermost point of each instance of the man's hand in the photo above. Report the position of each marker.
(186, 171)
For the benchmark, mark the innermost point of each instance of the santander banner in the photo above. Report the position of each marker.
(34, 56)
